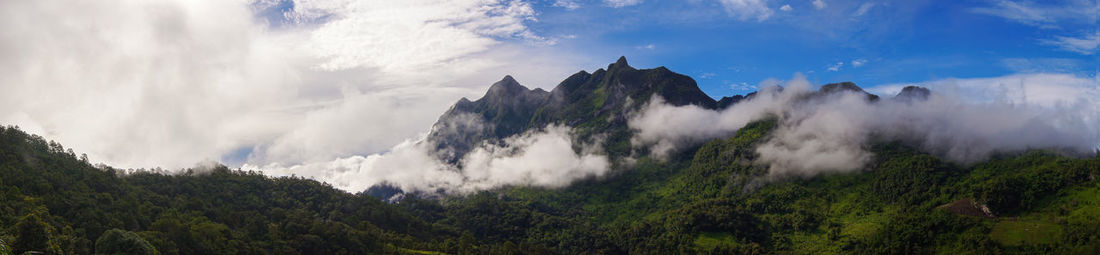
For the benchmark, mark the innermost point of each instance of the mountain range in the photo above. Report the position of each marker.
(597, 102)
(715, 197)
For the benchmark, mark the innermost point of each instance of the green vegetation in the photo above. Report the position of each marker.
(1026, 232)
(710, 199)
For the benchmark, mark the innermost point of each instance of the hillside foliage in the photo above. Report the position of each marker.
(712, 199)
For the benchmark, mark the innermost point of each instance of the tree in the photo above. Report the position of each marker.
(117, 241)
(4, 249)
(33, 234)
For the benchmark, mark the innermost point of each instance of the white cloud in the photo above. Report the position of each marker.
(1017, 12)
(835, 67)
(1044, 15)
(1086, 44)
(786, 8)
(863, 9)
(567, 4)
(647, 47)
(742, 86)
(171, 83)
(819, 4)
(141, 83)
(829, 133)
(621, 3)
(399, 35)
(858, 62)
(747, 9)
(1040, 89)
(1052, 16)
(542, 158)
(664, 128)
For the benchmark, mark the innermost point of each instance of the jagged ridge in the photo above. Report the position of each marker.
(593, 103)
(597, 102)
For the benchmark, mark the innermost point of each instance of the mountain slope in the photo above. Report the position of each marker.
(54, 202)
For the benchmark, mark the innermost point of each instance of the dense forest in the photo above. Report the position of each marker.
(707, 199)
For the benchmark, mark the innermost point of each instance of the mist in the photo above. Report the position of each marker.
(665, 128)
(819, 133)
(541, 158)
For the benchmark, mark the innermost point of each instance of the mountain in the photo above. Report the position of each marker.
(716, 198)
(595, 103)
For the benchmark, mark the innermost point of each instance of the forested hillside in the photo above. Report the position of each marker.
(55, 202)
(705, 201)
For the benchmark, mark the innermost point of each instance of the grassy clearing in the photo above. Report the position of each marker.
(711, 240)
(1026, 232)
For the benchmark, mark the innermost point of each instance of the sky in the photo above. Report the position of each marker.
(172, 83)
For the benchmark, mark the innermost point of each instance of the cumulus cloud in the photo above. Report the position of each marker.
(138, 82)
(835, 67)
(747, 9)
(542, 158)
(829, 133)
(171, 83)
(786, 8)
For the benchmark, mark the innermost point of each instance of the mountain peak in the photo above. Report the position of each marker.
(914, 93)
(841, 86)
(507, 81)
(845, 86)
(507, 85)
(621, 63)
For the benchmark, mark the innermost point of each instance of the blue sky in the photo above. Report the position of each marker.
(867, 42)
(169, 83)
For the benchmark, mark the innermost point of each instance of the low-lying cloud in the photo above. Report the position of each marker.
(542, 158)
(830, 133)
(665, 128)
